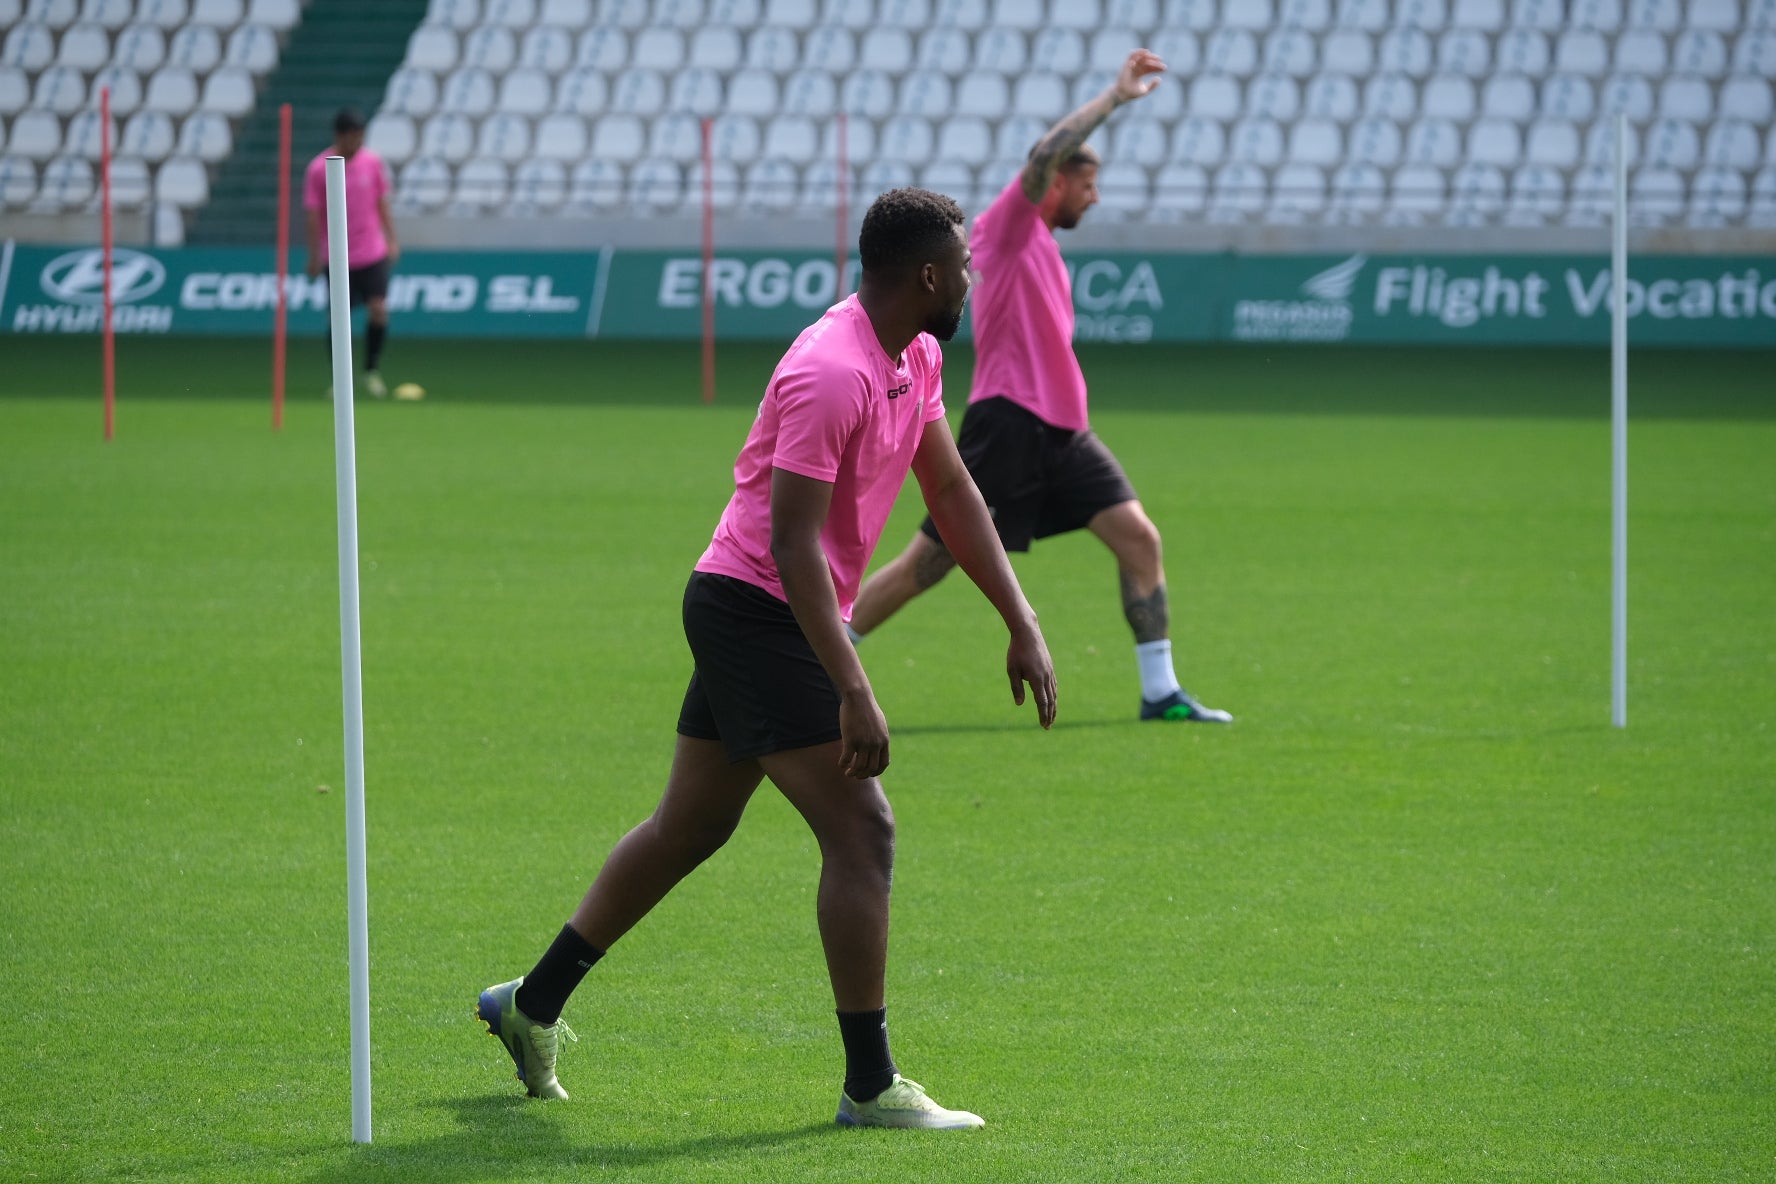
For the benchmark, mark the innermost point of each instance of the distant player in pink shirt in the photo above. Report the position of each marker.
(777, 689)
(371, 249)
(1025, 437)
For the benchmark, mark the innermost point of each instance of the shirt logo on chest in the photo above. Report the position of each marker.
(895, 392)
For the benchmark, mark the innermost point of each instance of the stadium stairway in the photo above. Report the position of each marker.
(340, 55)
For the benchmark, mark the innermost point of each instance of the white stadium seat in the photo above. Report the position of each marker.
(1538, 194)
(411, 92)
(1179, 190)
(1522, 51)
(879, 176)
(568, 14)
(1476, 190)
(547, 48)
(1241, 191)
(830, 48)
(195, 47)
(793, 13)
(108, 14)
(1333, 96)
(1485, 15)
(1198, 141)
(223, 14)
(1546, 15)
(481, 184)
(1582, 52)
(752, 92)
(1449, 96)
(1603, 16)
(1664, 15)
(1673, 143)
(849, 14)
(1140, 143)
(658, 49)
(1297, 192)
(985, 95)
(1273, 95)
(468, 91)
(1312, 15)
(1600, 144)
(182, 182)
(432, 47)
(905, 139)
(1059, 50)
(461, 15)
(84, 47)
(927, 94)
(952, 178)
(1214, 96)
(83, 137)
(889, 49)
(1123, 189)
(716, 47)
(1495, 142)
(1290, 51)
(1417, 191)
(602, 48)
(173, 89)
(18, 181)
(490, 47)
(1733, 143)
(1363, 14)
(1640, 51)
(1374, 141)
(1317, 142)
(1431, 15)
(678, 14)
(392, 136)
(1699, 51)
(945, 50)
(149, 135)
(641, 92)
(1464, 51)
(1391, 96)
(561, 137)
(15, 90)
(1747, 98)
(792, 138)
(676, 137)
(281, 15)
(1347, 51)
(1686, 98)
(582, 91)
(1178, 48)
(1231, 51)
(131, 183)
(524, 92)
(125, 86)
(619, 138)
(1568, 96)
(904, 14)
(733, 12)
(448, 137)
(1016, 136)
(67, 184)
(140, 47)
(1433, 141)
(867, 92)
(770, 187)
(697, 91)
(53, 14)
(205, 136)
(1041, 95)
(1763, 198)
(1627, 94)
(860, 140)
(1755, 53)
(1255, 141)
(734, 137)
(1656, 197)
(424, 185)
(1717, 197)
(968, 138)
(1554, 143)
(165, 15)
(538, 185)
(61, 89)
(1508, 96)
(504, 137)
(229, 91)
(1720, 16)
(253, 48)
(772, 48)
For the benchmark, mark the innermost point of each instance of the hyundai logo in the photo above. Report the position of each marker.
(79, 277)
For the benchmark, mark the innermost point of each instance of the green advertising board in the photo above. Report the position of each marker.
(1120, 297)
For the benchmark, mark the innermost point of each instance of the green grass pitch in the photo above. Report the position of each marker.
(1420, 915)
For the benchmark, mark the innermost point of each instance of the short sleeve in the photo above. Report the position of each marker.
(934, 404)
(314, 186)
(1007, 219)
(818, 411)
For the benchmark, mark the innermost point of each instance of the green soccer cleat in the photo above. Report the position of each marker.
(905, 1106)
(1181, 707)
(374, 384)
(532, 1045)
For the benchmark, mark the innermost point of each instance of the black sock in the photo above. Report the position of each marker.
(869, 1068)
(373, 348)
(547, 987)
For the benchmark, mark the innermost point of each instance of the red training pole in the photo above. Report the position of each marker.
(281, 317)
(708, 265)
(840, 288)
(109, 334)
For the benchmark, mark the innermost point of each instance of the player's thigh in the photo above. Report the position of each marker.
(840, 810)
(1085, 480)
(705, 791)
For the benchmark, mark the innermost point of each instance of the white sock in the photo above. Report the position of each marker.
(1158, 679)
(853, 634)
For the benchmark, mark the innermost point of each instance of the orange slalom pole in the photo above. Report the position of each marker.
(108, 333)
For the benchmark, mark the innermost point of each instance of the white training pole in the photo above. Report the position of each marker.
(1619, 438)
(357, 904)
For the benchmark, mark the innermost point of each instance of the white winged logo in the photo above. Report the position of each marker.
(1335, 283)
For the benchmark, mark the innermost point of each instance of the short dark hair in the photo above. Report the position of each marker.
(1080, 157)
(905, 228)
(349, 119)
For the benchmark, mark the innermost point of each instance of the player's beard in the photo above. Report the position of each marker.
(946, 324)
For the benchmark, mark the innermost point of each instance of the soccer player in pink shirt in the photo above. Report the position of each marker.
(371, 248)
(1025, 436)
(777, 690)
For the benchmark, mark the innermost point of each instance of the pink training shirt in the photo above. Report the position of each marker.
(837, 409)
(1023, 314)
(366, 184)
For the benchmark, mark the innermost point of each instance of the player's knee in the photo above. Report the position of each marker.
(871, 835)
(692, 842)
(378, 312)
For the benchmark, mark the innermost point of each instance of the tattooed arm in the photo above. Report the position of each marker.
(1138, 78)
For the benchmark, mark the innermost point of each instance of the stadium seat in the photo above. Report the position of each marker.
(481, 184)
(107, 14)
(1297, 192)
(879, 176)
(677, 137)
(195, 47)
(905, 139)
(461, 15)
(253, 48)
(888, 49)
(131, 185)
(1016, 136)
(165, 15)
(1240, 192)
(1371, 15)
(603, 48)
(772, 48)
(1538, 194)
(1640, 51)
(678, 14)
(53, 14)
(1522, 51)
(1000, 50)
(1417, 191)
(1231, 51)
(951, 178)
(83, 47)
(1311, 15)
(618, 137)
(1390, 96)
(984, 95)
(1603, 16)
(1357, 193)
(1405, 51)
(560, 137)
(1568, 96)
(1433, 141)
(1763, 197)
(734, 138)
(1430, 15)
(205, 136)
(1041, 95)
(432, 47)
(67, 184)
(15, 90)
(1717, 197)
(18, 181)
(173, 90)
(1179, 190)
(752, 92)
(1449, 96)
(149, 135)
(1656, 196)
(1213, 96)
(1754, 53)
(643, 92)
(546, 49)
(1374, 141)
(867, 92)
(1699, 51)
(411, 92)
(538, 186)
(717, 47)
(733, 12)
(1554, 143)
(1545, 15)
(1331, 96)
(582, 91)
(658, 49)
(769, 187)
(1464, 51)
(1688, 98)
(1255, 141)
(392, 136)
(1291, 52)
(860, 140)
(792, 138)
(1742, 97)
(904, 14)
(966, 137)
(1583, 52)
(1144, 144)
(83, 137)
(504, 137)
(140, 48)
(819, 188)
(125, 87)
(1178, 48)
(468, 91)
(1627, 94)
(1495, 142)
(596, 186)
(182, 182)
(829, 48)
(696, 91)
(943, 50)
(1124, 190)
(1508, 96)
(1663, 15)
(795, 14)
(657, 186)
(1061, 51)
(1347, 51)
(423, 185)
(281, 15)
(1487, 16)
(926, 93)
(1477, 190)
(449, 137)
(61, 89)
(1199, 141)
(1673, 143)
(1316, 142)
(523, 92)
(1274, 96)
(1600, 144)
(490, 47)
(856, 15)
(1191, 14)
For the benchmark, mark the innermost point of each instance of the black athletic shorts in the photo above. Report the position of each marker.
(367, 283)
(758, 687)
(1038, 480)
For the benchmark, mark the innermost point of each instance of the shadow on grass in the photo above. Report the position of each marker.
(1060, 725)
(504, 1136)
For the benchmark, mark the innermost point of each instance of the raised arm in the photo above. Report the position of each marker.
(799, 507)
(961, 518)
(1138, 78)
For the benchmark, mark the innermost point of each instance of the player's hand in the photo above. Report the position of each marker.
(394, 255)
(1027, 661)
(863, 737)
(1139, 76)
